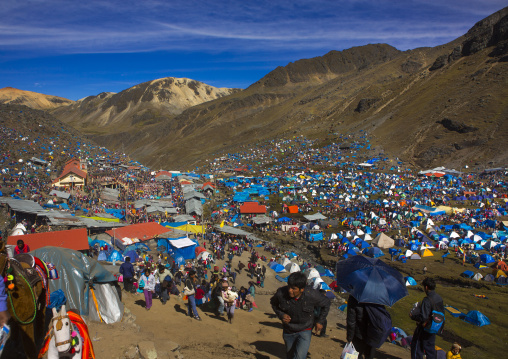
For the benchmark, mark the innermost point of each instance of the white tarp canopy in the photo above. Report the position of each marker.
(182, 242)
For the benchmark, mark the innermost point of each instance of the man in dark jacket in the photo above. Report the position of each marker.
(424, 342)
(294, 304)
(127, 270)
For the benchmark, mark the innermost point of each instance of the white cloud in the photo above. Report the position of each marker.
(140, 26)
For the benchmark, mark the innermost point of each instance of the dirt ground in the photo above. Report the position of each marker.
(166, 332)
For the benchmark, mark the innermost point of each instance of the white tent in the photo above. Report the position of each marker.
(284, 261)
(383, 241)
(317, 283)
(477, 276)
(408, 253)
(366, 237)
(203, 255)
(18, 232)
(292, 267)
(311, 273)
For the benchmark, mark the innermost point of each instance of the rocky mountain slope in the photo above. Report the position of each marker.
(141, 105)
(10, 95)
(446, 105)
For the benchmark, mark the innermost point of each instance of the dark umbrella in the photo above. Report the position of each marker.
(371, 280)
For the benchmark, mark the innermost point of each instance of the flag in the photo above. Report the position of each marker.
(221, 224)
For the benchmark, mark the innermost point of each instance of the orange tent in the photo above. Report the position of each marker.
(502, 265)
(293, 209)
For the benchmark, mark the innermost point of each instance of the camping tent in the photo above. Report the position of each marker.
(278, 268)
(374, 252)
(284, 261)
(203, 255)
(467, 274)
(415, 256)
(383, 241)
(115, 256)
(486, 258)
(410, 281)
(76, 272)
(476, 318)
(477, 276)
(292, 267)
(311, 273)
(426, 253)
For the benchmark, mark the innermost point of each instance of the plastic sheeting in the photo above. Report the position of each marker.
(110, 306)
(75, 272)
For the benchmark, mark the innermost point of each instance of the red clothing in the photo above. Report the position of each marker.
(25, 249)
(200, 293)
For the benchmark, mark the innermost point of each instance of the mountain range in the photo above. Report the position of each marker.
(445, 105)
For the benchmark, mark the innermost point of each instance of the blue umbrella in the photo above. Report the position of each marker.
(371, 280)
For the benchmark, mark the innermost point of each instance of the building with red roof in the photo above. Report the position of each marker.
(73, 174)
(141, 231)
(76, 239)
(252, 208)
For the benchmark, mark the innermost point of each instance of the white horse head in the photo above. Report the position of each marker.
(62, 330)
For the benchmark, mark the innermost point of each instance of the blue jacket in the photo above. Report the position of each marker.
(127, 270)
(3, 295)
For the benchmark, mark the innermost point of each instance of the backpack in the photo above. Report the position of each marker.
(380, 324)
(435, 324)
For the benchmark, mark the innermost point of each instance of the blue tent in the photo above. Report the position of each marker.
(131, 254)
(313, 237)
(278, 268)
(476, 318)
(179, 260)
(99, 242)
(467, 274)
(410, 281)
(328, 273)
(63, 206)
(103, 256)
(487, 258)
(115, 256)
(374, 252)
(137, 246)
(185, 251)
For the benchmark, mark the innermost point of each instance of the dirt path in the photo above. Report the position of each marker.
(257, 334)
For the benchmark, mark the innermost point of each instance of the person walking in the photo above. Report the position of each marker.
(149, 288)
(220, 289)
(294, 305)
(366, 336)
(229, 298)
(424, 343)
(127, 271)
(190, 292)
(164, 276)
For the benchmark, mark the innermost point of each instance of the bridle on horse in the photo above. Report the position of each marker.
(59, 326)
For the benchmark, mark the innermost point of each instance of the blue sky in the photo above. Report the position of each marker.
(75, 49)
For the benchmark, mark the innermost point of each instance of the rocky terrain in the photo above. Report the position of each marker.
(9, 95)
(139, 106)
